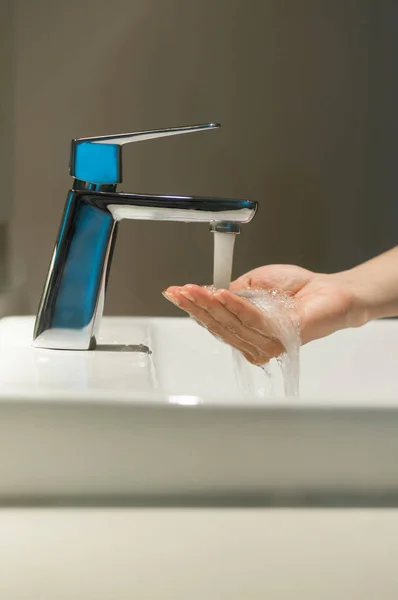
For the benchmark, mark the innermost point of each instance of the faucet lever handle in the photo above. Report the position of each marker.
(140, 136)
(98, 159)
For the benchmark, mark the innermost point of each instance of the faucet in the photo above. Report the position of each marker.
(72, 301)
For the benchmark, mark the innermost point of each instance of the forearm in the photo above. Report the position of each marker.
(375, 286)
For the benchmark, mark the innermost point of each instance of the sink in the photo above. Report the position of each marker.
(154, 415)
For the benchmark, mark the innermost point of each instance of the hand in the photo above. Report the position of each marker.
(323, 305)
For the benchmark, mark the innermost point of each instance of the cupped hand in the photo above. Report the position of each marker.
(323, 304)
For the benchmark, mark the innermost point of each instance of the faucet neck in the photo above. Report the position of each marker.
(78, 184)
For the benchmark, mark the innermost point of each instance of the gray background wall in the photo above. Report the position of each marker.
(306, 91)
(6, 136)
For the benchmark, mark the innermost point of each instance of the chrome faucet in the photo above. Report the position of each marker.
(73, 298)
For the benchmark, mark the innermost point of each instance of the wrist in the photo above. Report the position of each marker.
(360, 308)
(370, 298)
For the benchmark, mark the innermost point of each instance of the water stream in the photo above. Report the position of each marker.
(223, 259)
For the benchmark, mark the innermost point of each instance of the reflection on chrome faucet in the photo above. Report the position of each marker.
(72, 303)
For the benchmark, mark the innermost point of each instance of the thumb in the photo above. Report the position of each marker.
(241, 283)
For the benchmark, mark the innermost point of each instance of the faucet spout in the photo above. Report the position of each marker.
(74, 293)
(187, 209)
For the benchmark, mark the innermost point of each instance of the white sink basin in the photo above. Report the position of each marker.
(155, 415)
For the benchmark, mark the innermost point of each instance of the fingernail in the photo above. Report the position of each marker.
(171, 297)
(187, 295)
(168, 296)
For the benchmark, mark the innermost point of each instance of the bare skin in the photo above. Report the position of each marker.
(324, 303)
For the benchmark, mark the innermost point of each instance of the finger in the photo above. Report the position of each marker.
(211, 303)
(256, 278)
(256, 355)
(242, 283)
(249, 315)
(208, 321)
(171, 291)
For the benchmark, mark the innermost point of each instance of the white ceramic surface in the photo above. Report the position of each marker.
(212, 554)
(120, 423)
(184, 360)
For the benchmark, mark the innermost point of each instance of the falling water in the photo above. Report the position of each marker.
(223, 258)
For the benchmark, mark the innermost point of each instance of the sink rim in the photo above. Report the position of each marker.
(159, 399)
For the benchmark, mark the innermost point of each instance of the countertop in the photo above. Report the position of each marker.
(197, 554)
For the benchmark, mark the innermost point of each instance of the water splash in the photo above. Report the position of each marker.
(278, 307)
